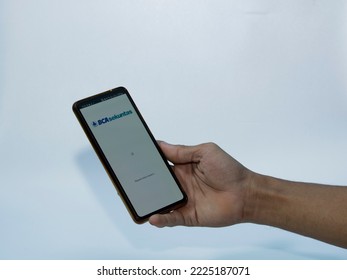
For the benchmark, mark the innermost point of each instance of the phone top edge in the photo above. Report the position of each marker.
(99, 97)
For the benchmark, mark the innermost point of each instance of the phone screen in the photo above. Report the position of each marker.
(129, 153)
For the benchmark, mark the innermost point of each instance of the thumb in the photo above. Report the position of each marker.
(180, 153)
(171, 219)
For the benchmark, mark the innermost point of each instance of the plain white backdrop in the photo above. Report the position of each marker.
(266, 80)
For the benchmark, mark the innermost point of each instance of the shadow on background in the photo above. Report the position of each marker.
(141, 236)
(101, 186)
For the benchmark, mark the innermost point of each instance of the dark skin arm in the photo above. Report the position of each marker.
(222, 192)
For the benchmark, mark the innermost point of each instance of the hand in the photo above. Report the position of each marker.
(223, 192)
(215, 183)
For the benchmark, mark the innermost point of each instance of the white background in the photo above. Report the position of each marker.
(265, 79)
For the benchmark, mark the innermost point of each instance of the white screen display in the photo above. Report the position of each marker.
(132, 155)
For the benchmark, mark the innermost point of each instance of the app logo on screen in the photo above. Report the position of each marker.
(112, 118)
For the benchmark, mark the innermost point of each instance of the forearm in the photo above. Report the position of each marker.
(313, 210)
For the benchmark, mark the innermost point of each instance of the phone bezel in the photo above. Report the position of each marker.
(88, 101)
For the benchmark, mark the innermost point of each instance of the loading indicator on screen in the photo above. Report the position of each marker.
(144, 177)
(112, 118)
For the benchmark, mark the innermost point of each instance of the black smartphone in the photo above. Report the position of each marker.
(129, 153)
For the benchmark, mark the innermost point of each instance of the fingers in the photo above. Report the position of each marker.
(180, 153)
(167, 220)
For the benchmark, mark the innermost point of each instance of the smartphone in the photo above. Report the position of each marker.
(129, 153)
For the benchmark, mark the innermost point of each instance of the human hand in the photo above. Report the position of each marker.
(223, 192)
(215, 183)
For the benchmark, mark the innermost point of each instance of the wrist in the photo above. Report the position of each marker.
(263, 200)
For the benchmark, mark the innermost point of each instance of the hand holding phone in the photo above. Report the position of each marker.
(129, 154)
